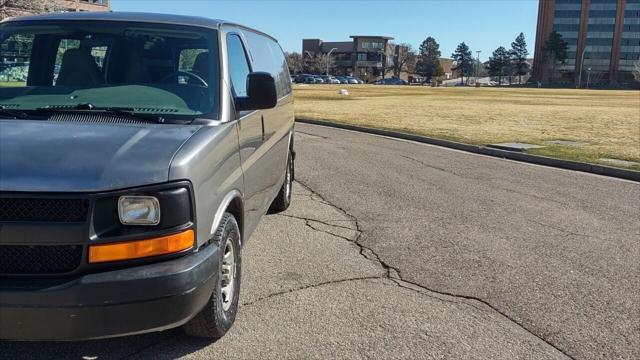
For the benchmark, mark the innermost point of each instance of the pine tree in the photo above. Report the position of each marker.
(464, 61)
(555, 51)
(519, 54)
(429, 65)
(498, 63)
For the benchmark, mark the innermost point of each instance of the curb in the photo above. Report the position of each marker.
(505, 154)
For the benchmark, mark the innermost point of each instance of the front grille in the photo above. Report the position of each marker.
(43, 210)
(39, 260)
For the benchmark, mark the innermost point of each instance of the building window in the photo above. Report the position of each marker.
(362, 57)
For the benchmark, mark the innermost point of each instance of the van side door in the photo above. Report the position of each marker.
(266, 55)
(250, 134)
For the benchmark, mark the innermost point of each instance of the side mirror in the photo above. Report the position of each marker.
(261, 93)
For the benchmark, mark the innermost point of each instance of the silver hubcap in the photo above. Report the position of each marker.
(228, 275)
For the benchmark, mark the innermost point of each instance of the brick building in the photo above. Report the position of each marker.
(603, 38)
(364, 56)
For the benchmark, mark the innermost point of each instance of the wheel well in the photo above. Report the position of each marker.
(235, 208)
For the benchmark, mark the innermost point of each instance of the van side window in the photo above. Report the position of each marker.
(238, 65)
(267, 56)
(283, 79)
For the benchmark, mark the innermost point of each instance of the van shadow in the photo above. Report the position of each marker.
(168, 344)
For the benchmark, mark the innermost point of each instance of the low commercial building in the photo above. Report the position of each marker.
(365, 56)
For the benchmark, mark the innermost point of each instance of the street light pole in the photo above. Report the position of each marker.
(478, 66)
(581, 65)
(588, 76)
(329, 58)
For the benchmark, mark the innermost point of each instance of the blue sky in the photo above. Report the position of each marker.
(482, 24)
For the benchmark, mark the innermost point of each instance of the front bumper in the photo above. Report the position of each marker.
(130, 301)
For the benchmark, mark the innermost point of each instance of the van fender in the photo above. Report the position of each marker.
(224, 204)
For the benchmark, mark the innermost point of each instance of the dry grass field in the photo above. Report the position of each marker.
(606, 121)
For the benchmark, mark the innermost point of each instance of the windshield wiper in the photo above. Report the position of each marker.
(120, 111)
(12, 114)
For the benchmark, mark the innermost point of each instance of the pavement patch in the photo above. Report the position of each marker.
(567, 143)
(516, 146)
(619, 162)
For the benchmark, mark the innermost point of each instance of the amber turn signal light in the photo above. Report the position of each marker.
(141, 248)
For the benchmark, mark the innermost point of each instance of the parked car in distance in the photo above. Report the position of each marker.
(342, 79)
(297, 78)
(328, 79)
(318, 79)
(352, 80)
(309, 79)
(391, 81)
(128, 196)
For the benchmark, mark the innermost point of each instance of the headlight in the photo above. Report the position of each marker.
(139, 210)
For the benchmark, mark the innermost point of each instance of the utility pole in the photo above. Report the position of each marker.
(478, 66)
(581, 65)
(382, 61)
(305, 61)
(329, 58)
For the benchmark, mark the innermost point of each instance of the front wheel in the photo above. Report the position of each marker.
(220, 311)
(283, 200)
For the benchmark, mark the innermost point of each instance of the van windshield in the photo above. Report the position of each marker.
(154, 69)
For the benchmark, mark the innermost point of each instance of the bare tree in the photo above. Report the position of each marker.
(295, 62)
(636, 70)
(317, 63)
(325, 63)
(404, 59)
(11, 8)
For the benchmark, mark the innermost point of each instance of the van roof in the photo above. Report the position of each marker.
(133, 17)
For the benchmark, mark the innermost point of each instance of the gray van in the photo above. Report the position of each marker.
(138, 153)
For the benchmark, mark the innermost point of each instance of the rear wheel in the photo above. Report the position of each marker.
(219, 313)
(283, 200)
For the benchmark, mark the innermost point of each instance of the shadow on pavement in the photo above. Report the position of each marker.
(129, 347)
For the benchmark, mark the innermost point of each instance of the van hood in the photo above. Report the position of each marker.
(42, 156)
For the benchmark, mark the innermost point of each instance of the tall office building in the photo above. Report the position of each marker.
(603, 38)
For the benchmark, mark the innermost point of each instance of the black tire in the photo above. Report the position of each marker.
(218, 315)
(283, 200)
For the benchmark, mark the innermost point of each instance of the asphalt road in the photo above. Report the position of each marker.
(398, 250)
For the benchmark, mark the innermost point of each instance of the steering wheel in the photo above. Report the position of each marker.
(187, 74)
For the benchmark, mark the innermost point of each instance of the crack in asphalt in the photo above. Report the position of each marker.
(393, 273)
(311, 135)
(565, 231)
(535, 196)
(430, 166)
(323, 222)
(310, 286)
